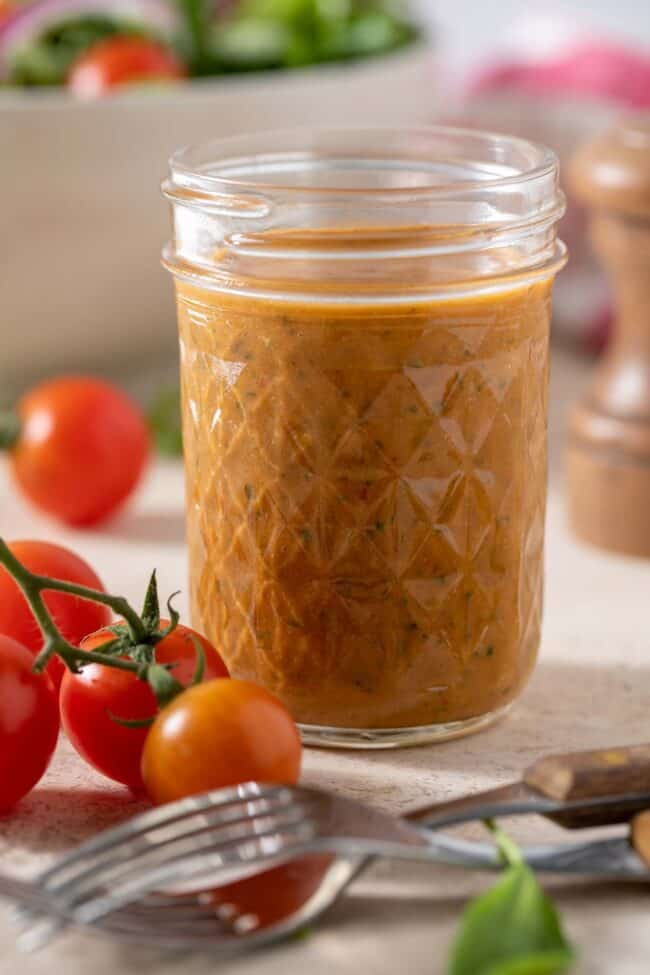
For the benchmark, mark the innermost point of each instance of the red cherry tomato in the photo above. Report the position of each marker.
(29, 722)
(220, 733)
(74, 617)
(81, 450)
(90, 698)
(272, 896)
(119, 61)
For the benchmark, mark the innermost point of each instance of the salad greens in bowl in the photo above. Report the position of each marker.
(92, 46)
(82, 287)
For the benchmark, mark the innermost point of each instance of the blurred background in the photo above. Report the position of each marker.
(95, 94)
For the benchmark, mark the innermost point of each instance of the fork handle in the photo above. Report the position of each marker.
(592, 775)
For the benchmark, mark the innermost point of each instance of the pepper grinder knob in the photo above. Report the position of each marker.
(608, 463)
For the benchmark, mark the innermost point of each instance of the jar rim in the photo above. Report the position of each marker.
(345, 208)
(243, 165)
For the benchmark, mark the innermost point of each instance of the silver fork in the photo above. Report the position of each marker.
(230, 834)
(200, 840)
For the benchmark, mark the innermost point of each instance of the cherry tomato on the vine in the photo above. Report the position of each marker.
(120, 61)
(216, 734)
(29, 722)
(74, 617)
(91, 699)
(81, 448)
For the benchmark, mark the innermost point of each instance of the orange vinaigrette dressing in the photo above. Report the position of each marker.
(366, 494)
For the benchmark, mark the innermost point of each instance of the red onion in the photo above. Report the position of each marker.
(601, 70)
(28, 22)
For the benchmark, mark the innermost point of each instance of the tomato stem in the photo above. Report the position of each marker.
(32, 587)
(131, 645)
(9, 429)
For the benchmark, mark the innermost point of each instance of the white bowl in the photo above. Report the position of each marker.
(83, 221)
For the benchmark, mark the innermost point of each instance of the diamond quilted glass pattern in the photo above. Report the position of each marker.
(366, 492)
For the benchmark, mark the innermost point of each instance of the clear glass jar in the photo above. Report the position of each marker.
(364, 322)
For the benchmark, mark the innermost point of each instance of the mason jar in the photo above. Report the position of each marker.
(364, 324)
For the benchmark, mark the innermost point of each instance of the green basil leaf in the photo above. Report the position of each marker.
(513, 929)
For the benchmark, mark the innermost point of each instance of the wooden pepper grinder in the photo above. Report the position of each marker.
(609, 435)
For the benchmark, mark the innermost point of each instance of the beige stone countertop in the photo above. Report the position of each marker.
(591, 688)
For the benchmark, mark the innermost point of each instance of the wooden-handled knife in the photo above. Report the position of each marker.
(576, 790)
